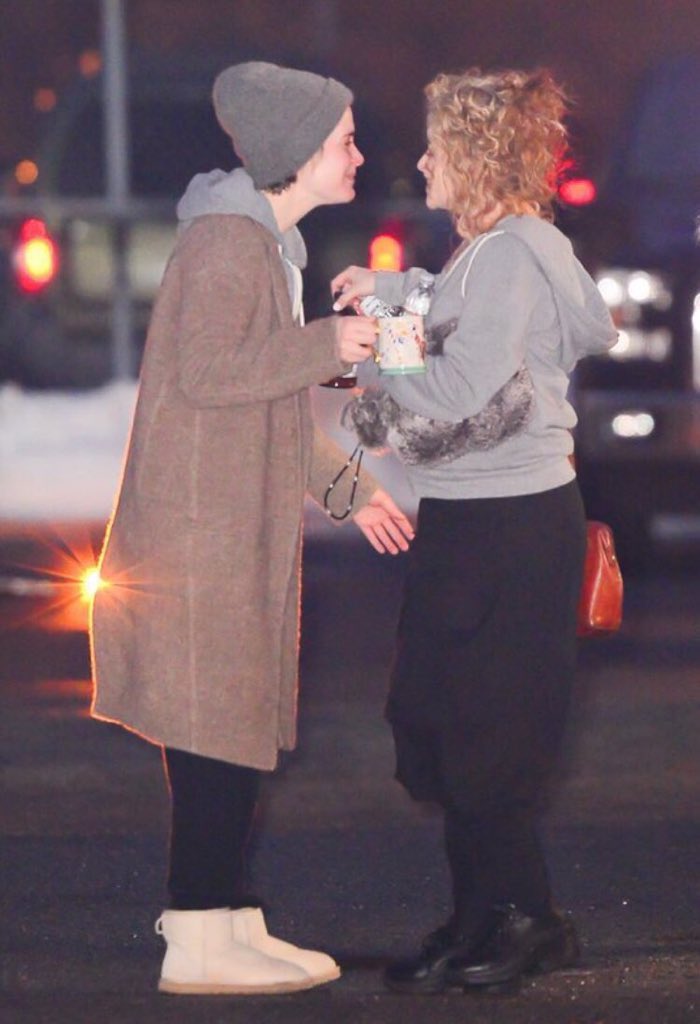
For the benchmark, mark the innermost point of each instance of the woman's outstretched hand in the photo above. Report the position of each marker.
(352, 284)
(384, 524)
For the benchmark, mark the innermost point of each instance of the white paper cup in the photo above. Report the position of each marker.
(400, 344)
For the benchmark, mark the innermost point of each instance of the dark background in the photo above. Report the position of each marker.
(385, 51)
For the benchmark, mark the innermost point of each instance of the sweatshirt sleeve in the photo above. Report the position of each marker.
(489, 343)
(225, 354)
(392, 287)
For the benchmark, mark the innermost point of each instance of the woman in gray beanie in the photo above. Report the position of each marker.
(195, 633)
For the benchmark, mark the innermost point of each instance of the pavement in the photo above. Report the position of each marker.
(343, 859)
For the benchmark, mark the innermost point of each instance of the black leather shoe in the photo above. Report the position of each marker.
(426, 972)
(513, 944)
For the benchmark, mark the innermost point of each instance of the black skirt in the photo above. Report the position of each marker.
(486, 647)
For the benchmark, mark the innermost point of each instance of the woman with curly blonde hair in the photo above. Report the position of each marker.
(487, 635)
(504, 136)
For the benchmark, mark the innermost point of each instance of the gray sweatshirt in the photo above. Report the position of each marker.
(527, 302)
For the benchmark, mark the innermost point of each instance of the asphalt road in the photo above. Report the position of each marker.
(343, 859)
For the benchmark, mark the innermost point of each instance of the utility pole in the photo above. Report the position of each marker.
(116, 147)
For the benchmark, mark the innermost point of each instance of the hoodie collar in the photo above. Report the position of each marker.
(584, 319)
(233, 192)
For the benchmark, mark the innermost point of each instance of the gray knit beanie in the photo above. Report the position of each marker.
(277, 117)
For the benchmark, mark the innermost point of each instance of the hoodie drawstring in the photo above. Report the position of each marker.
(297, 290)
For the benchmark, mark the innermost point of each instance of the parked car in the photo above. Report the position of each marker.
(638, 439)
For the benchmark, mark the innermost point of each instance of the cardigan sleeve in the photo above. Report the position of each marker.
(226, 351)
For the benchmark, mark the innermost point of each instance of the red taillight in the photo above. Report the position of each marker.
(577, 191)
(35, 257)
(385, 253)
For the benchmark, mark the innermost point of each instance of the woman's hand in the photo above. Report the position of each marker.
(355, 338)
(384, 524)
(353, 283)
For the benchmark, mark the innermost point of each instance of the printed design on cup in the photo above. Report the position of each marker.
(401, 344)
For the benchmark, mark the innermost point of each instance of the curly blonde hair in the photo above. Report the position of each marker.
(503, 137)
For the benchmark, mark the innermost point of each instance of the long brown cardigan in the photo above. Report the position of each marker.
(194, 638)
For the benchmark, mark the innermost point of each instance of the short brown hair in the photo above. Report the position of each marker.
(280, 186)
(503, 137)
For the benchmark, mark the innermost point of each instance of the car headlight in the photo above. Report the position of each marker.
(640, 343)
(637, 300)
(633, 424)
(621, 288)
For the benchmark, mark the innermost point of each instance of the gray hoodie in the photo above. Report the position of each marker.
(233, 192)
(526, 302)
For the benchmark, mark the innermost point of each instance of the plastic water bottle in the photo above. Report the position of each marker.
(419, 298)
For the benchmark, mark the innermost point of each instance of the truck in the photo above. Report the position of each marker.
(638, 436)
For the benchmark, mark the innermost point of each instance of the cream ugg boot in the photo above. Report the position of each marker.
(202, 957)
(249, 928)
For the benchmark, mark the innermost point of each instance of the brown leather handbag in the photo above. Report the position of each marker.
(600, 604)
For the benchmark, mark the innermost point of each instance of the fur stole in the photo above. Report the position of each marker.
(380, 422)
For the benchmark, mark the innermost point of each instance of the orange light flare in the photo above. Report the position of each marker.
(577, 191)
(91, 582)
(26, 172)
(62, 578)
(385, 253)
(35, 257)
(572, 187)
(90, 63)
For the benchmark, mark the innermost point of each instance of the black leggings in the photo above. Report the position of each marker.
(213, 805)
(495, 859)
